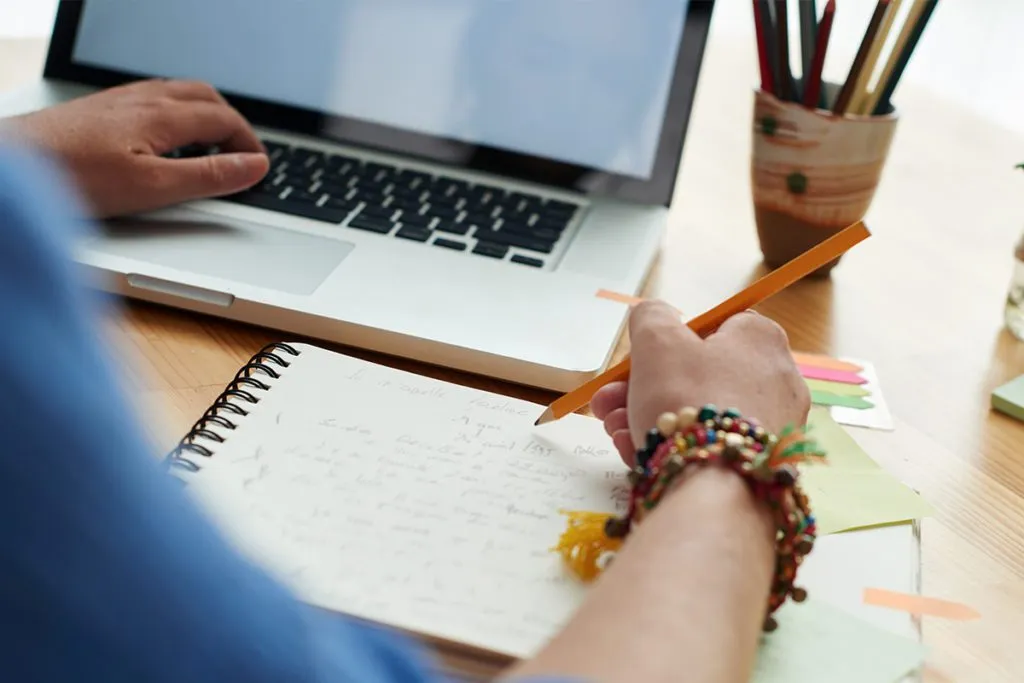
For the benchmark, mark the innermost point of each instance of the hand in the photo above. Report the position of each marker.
(113, 144)
(746, 365)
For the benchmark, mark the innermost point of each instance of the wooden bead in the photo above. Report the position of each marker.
(674, 464)
(798, 594)
(686, 417)
(734, 440)
(616, 528)
(770, 624)
(667, 424)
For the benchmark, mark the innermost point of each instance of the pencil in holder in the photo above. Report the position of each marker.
(813, 173)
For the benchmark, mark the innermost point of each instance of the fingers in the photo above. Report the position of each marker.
(183, 90)
(751, 324)
(177, 124)
(609, 398)
(616, 421)
(623, 442)
(664, 353)
(180, 180)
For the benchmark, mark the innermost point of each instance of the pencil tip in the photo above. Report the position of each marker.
(548, 416)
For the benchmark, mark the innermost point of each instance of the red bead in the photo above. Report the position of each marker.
(759, 448)
(702, 437)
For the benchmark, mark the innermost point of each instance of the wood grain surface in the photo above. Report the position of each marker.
(922, 300)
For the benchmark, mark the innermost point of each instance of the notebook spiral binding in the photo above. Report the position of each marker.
(228, 408)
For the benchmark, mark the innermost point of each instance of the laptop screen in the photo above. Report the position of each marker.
(590, 96)
(580, 82)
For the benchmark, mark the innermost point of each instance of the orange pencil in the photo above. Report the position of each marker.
(706, 323)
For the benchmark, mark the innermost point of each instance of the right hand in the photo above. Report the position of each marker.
(746, 364)
(113, 144)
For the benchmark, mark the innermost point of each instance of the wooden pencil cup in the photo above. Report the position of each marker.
(813, 173)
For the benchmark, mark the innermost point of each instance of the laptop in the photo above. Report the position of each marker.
(452, 181)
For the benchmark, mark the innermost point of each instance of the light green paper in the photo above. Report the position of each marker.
(817, 642)
(824, 398)
(1009, 398)
(842, 500)
(837, 388)
(851, 491)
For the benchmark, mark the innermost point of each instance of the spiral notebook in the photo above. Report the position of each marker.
(431, 508)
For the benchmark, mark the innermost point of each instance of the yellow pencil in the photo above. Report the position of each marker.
(860, 91)
(913, 17)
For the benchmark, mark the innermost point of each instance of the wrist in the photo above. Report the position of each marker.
(672, 468)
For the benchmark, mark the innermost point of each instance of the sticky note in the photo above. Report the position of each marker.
(815, 361)
(842, 500)
(851, 491)
(836, 388)
(919, 604)
(841, 376)
(825, 398)
(619, 297)
(817, 642)
(1009, 398)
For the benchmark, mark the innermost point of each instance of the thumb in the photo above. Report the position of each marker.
(663, 352)
(208, 176)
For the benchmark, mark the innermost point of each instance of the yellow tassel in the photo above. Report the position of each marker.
(584, 543)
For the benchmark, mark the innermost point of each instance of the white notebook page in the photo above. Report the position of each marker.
(433, 507)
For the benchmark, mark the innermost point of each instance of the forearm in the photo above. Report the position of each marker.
(687, 592)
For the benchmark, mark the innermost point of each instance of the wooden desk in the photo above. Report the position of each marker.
(922, 299)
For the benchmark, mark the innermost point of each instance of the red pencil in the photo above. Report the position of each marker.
(813, 85)
(767, 82)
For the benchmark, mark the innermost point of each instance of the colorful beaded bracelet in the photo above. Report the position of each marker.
(692, 438)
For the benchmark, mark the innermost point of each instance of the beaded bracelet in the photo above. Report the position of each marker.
(692, 438)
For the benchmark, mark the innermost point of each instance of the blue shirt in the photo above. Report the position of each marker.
(109, 573)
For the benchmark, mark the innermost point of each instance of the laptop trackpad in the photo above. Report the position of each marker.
(205, 244)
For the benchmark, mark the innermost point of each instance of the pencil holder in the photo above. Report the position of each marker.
(813, 173)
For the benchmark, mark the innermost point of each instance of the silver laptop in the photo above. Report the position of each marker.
(452, 181)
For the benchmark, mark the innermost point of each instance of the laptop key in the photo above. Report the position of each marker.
(452, 227)
(450, 244)
(411, 232)
(412, 218)
(442, 212)
(378, 211)
(544, 234)
(301, 209)
(491, 250)
(342, 204)
(555, 206)
(552, 222)
(378, 225)
(514, 240)
(527, 261)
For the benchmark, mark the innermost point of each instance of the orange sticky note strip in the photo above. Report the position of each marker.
(709, 321)
(618, 297)
(919, 605)
(825, 362)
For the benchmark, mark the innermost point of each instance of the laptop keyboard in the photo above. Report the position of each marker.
(444, 212)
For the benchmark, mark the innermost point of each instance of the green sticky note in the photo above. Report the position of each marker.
(823, 398)
(850, 490)
(842, 500)
(817, 642)
(1009, 398)
(842, 451)
(838, 388)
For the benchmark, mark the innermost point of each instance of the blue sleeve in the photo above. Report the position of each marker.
(109, 573)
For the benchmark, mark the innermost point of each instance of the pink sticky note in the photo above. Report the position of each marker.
(831, 375)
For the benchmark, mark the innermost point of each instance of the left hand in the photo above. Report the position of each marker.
(113, 143)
